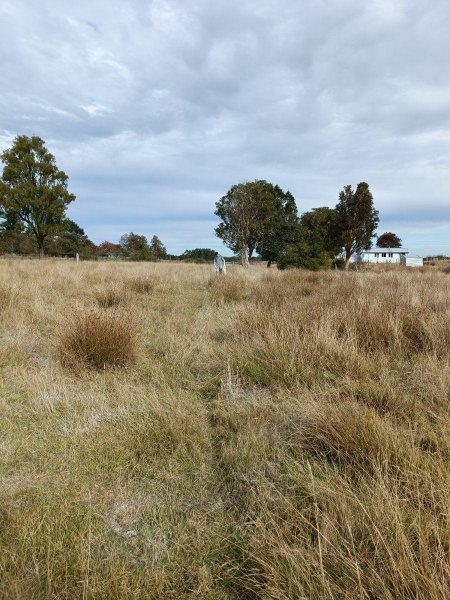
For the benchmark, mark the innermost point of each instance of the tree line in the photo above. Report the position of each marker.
(260, 217)
(256, 217)
(33, 202)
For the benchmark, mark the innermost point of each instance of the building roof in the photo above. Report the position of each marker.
(392, 250)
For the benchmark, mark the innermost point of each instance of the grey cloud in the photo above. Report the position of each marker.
(154, 108)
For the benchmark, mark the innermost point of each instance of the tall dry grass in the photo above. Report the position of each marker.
(273, 435)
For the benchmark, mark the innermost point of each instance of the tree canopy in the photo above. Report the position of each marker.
(356, 219)
(157, 248)
(280, 224)
(135, 246)
(389, 240)
(33, 190)
(201, 254)
(255, 215)
(316, 241)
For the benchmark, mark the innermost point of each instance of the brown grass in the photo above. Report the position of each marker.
(6, 298)
(110, 297)
(144, 284)
(274, 434)
(229, 288)
(99, 340)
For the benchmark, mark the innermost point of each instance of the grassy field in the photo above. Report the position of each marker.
(169, 434)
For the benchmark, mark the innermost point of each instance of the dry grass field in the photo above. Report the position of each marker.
(169, 434)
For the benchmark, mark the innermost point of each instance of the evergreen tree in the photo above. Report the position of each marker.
(33, 189)
(315, 242)
(255, 215)
(202, 254)
(356, 220)
(389, 240)
(280, 225)
(157, 248)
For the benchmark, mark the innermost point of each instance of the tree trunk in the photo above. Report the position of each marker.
(244, 257)
(269, 263)
(348, 256)
(41, 249)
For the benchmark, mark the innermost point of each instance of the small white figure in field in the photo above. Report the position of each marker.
(219, 264)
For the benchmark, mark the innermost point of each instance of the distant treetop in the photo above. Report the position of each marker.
(389, 240)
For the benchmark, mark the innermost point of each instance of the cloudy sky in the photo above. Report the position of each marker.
(154, 108)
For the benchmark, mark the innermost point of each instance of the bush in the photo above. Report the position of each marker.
(99, 340)
(304, 256)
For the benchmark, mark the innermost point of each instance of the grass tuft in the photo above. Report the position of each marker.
(144, 284)
(110, 297)
(99, 340)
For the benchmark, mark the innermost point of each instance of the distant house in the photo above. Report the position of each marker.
(388, 255)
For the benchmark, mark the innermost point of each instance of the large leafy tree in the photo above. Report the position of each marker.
(280, 224)
(253, 215)
(72, 241)
(316, 241)
(136, 246)
(389, 240)
(320, 227)
(33, 188)
(304, 253)
(356, 219)
(157, 248)
(12, 232)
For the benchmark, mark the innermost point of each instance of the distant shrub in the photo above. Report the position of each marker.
(99, 340)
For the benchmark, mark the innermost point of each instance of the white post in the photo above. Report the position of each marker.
(77, 258)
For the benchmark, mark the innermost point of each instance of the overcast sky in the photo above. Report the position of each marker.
(155, 108)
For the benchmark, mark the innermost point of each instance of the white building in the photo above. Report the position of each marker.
(388, 255)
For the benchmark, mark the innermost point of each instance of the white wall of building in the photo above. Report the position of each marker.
(381, 257)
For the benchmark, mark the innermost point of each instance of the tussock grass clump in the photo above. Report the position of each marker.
(144, 284)
(351, 436)
(110, 297)
(99, 340)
